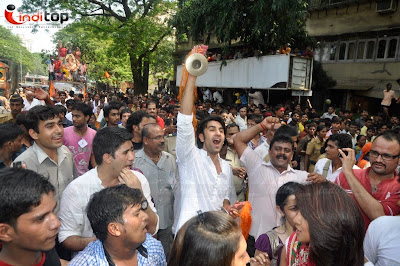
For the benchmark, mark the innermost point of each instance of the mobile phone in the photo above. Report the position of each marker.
(17, 164)
(345, 152)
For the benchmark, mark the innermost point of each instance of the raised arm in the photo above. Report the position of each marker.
(243, 137)
(368, 204)
(187, 97)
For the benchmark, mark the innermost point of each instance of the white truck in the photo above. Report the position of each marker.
(271, 72)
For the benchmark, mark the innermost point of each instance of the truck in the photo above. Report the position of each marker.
(270, 72)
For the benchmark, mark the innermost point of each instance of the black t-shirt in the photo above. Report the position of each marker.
(52, 258)
(137, 146)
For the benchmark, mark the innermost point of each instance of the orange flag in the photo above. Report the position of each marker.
(52, 90)
(106, 75)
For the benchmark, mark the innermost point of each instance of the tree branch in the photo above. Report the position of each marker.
(109, 10)
(147, 7)
(127, 10)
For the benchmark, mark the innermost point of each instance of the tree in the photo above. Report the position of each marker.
(12, 50)
(262, 25)
(136, 28)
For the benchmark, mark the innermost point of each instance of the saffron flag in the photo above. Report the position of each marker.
(52, 90)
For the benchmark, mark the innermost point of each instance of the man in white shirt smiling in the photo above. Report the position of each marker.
(113, 152)
(206, 182)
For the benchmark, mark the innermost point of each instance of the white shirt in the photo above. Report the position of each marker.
(327, 115)
(35, 102)
(262, 150)
(207, 95)
(353, 139)
(76, 196)
(319, 169)
(242, 123)
(257, 98)
(218, 97)
(201, 188)
(264, 181)
(382, 241)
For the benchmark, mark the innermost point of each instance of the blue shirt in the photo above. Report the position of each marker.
(93, 254)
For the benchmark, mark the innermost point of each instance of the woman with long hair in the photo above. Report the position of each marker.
(211, 238)
(329, 228)
(272, 241)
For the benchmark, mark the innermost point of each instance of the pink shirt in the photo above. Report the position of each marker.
(264, 181)
(81, 148)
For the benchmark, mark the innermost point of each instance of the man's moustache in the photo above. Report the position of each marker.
(282, 156)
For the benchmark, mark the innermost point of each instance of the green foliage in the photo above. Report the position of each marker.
(260, 24)
(115, 35)
(12, 49)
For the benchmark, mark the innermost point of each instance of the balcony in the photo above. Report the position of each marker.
(325, 4)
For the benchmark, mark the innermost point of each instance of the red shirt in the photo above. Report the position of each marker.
(38, 264)
(388, 192)
(160, 122)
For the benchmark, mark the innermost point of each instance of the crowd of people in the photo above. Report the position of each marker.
(120, 179)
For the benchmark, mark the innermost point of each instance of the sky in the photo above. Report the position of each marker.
(39, 40)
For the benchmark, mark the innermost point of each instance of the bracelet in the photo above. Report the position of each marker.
(263, 128)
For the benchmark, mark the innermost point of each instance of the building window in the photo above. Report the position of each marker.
(342, 51)
(350, 51)
(360, 50)
(370, 50)
(392, 48)
(387, 48)
(332, 52)
(381, 49)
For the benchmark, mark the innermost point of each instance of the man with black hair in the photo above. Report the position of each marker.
(253, 120)
(28, 224)
(331, 166)
(119, 219)
(113, 152)
(10, 143)
(135, 125)
(151, 109)
(69, 103)
(79, 138)
(16, 106)
(111, 114)
(295, 121)
(330, 114)
(266, 177)
(206, 181)
(352, 132)
(63, 97)
(62, 112)
(48, 156)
